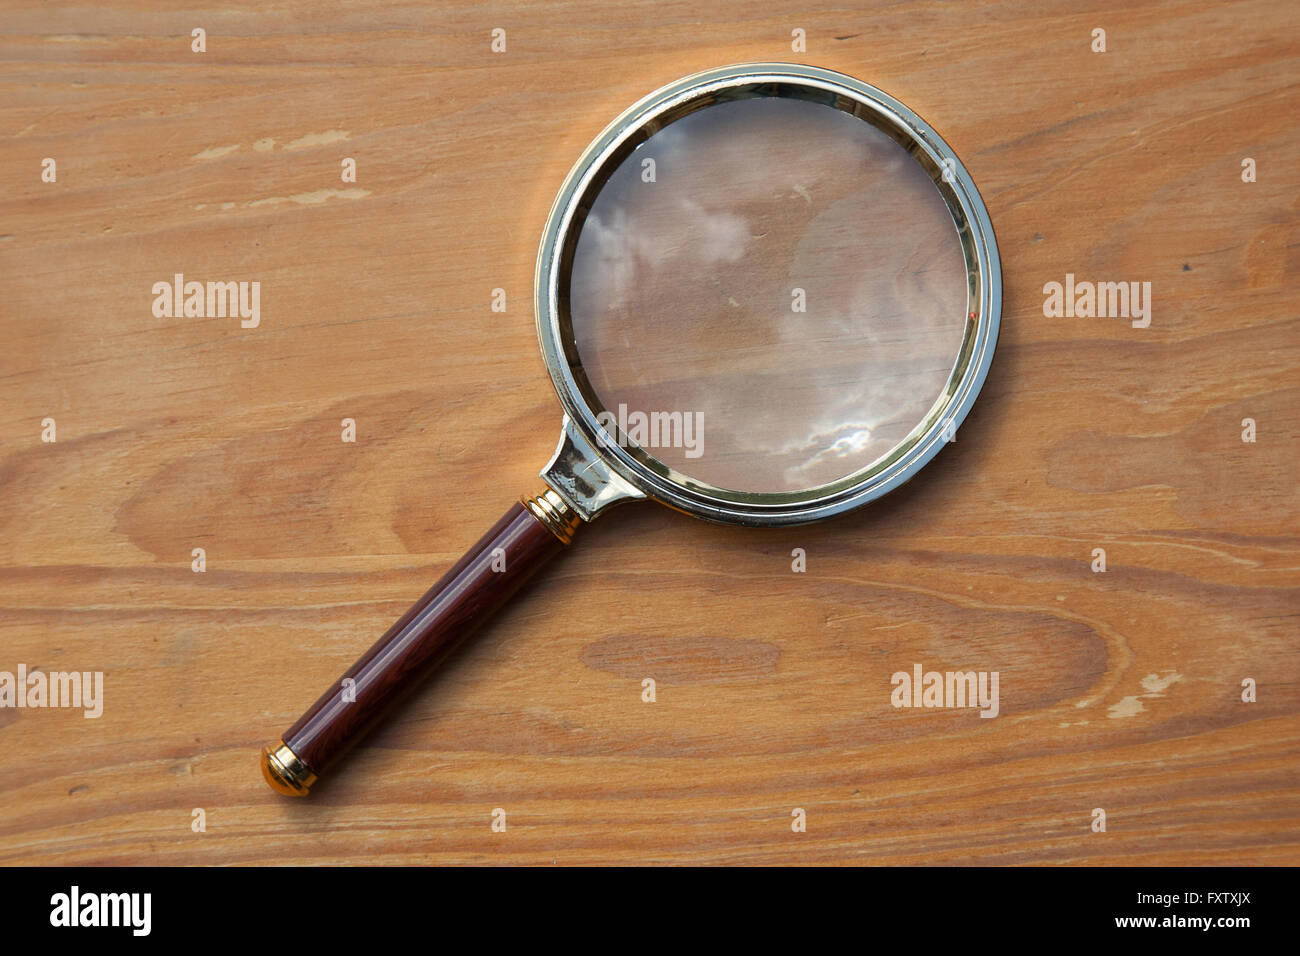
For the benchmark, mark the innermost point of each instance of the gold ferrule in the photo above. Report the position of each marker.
(285, 772)
(549, 508)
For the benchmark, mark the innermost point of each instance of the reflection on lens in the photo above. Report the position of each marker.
(768, 295)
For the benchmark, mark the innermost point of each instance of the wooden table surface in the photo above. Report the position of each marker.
(1119, 690)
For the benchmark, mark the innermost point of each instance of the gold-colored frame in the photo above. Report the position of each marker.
(623, 465)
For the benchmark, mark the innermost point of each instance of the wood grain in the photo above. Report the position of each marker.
(1119, 690)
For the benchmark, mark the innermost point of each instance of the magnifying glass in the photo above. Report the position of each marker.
(766, 294)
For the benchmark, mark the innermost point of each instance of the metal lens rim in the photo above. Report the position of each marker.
(635, 125)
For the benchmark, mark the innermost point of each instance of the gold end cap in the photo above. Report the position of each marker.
(285, 772)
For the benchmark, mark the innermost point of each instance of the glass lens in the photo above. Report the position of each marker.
(767, 296)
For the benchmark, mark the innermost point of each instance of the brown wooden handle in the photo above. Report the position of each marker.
(480, 583)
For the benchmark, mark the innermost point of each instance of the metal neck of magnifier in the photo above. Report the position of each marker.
(591, 470)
